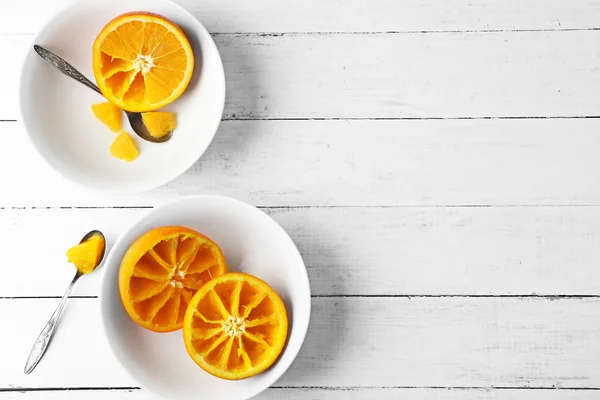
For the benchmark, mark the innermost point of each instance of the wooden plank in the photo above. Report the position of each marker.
(337, 394)
(447, 75)
(356, 251)
(354, 163)
(353, 16)
(419, 342)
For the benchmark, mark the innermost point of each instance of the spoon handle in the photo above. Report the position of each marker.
(64, 67)
(41, 343)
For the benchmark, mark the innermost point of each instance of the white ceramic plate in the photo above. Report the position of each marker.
(56, 109)
(251, 242)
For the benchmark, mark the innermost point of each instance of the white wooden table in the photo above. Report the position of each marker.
(436, 162)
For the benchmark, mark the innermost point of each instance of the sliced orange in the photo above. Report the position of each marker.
(235, 326)
(159, 123)
(124, 148)
(142, 61)
(162, 270)
(86, 255)
(109, 114)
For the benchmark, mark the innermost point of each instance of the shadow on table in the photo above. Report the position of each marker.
(231, 142)
(323, 346)
(324, 341)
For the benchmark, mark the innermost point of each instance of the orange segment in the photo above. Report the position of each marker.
(109, 115)
(124, 148)
(235, 326)
(159, 123)
(155, 281)
(142, 61)
(86, 255)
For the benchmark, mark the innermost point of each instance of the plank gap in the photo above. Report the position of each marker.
(332, 388)
(384, 296)
(293, 207)
(459, 118)
(391, 32)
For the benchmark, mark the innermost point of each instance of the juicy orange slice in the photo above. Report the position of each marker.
(159, 123)
(86, 255)
(142, 61)
(162, 270)
(235, 326)
(109, 114)
(123, 148)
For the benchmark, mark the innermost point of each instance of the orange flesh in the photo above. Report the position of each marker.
(235, 326)
(159, 123)
(86, 255)
(109, 115)
(124, 148)
(142, 61)
(161, 272)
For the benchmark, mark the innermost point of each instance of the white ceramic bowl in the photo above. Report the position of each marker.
(56, 109)
(251, 242)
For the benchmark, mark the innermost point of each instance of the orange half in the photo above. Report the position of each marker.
(235, 326)
(162, 270)
(142, 61)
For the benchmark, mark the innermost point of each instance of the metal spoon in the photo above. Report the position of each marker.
(135, 118)
(41, 343)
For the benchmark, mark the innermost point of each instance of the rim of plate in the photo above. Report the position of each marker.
(131, 189)
(302, 329)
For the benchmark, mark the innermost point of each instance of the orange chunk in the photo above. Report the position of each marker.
(86, 255)
(124, 148)
(109, 114)
(159, 123)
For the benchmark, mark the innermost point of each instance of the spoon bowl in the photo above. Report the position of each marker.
(90, 235)
(138, 126)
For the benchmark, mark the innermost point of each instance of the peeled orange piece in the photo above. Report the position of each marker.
(86, 255)
(124, 148)
(162, 270)
(109, 114)
(142, 61)
(235, 326)
(159, 123)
